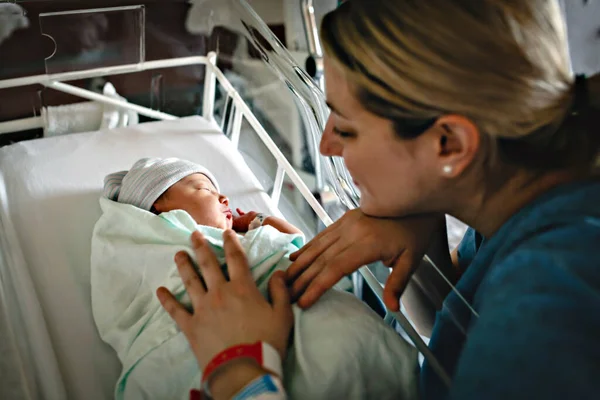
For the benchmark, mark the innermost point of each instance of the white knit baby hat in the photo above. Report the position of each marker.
(148, 179)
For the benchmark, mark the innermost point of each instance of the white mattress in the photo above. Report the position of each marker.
(49, 190)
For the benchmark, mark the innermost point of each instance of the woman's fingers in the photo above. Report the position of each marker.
(396, 282)
(189, 276)
(326, 259)
(177, 312)
(237, 263)
(319, 240)
(322, 283)
(207, 262)
(316, 241)
(309, 253)
(345, 261)
(339, 259)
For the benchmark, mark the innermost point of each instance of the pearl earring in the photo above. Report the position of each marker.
(447, 169)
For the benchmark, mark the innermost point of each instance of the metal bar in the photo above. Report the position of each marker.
(314, 43)
(96, 72)
(91, 10)
(357, 284)
(227, 112)
(237, 127)
(86, 94)
(266, 139)
(278, 185)
(19, 125)
(310, 28)
(208, 103)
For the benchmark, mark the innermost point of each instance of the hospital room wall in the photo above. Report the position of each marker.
(288, 13)
(583, 25)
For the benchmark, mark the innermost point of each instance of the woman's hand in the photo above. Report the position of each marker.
(242, 222)
(355, 240)
(227, 313)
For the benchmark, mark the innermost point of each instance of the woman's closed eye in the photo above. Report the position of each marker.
(341, 133)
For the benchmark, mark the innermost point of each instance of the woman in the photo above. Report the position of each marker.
(457, 107)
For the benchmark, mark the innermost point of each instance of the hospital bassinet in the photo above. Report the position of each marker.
(207, 81)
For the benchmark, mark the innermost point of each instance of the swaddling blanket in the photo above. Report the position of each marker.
(340, 348)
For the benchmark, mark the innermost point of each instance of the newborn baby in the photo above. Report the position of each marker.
(149, 214)
(163, 185)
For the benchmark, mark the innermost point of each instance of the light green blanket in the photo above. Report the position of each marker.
(132, 255)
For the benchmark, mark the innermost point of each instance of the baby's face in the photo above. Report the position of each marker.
(198, 196)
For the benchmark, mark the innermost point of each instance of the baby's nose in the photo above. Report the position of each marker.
(223, 199)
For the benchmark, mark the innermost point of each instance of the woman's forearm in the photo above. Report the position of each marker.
(232, 378)
(231, 381)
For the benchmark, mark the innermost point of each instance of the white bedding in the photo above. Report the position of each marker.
(49, 190)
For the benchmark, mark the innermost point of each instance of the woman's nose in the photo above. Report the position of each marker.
(330, 142)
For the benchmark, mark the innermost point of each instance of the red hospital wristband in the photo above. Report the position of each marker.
(265, 355)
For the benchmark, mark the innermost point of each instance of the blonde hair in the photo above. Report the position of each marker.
(504, 64)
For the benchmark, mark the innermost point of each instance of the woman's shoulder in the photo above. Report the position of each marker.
(557, 247)
(537, 328)
(565, 217)
(537, 314)
(553, 247)
(569, 204)
(563, 254)
(564, 221)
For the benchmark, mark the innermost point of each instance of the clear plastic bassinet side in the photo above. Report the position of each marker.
(286, 100)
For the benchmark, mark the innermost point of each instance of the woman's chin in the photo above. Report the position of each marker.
(374, 209)
(370, 209)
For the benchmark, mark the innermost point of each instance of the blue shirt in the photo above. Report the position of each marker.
(536, 287)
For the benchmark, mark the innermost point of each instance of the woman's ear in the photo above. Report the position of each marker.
(458, 143)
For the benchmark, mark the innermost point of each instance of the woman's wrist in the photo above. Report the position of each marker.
(233, 368)
(232, 377)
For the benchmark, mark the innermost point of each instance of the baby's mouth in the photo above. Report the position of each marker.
(228, 214)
